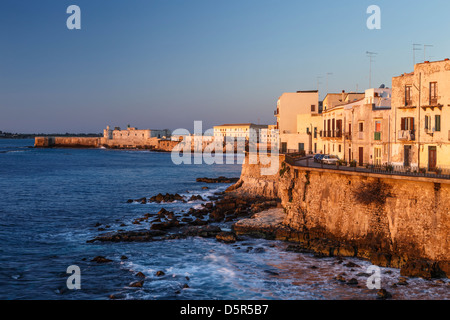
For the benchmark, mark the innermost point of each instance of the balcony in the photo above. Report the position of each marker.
(348, 136)
(337, 134)
(406, 135)
(377, 136)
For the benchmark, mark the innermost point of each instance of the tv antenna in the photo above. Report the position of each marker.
(328, 74)
(371, 55)
(318, 82)
(415, 48)
(425, 46)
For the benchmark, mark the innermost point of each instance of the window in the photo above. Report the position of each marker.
(427, 122)
(377, 135)
(378, 126)
(338, 128)
(361, 126)
(407, 123)
(313, 108)
(334, 128)
(315, 132)
(340, 148)
(408, 101)
(437, 122)
(433, 93)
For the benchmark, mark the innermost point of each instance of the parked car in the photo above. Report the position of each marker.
(329, 159)
(318, 157)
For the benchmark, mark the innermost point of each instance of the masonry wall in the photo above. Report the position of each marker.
(74, 142)
(412, 223)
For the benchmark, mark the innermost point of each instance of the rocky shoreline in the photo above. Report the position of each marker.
(253, 216)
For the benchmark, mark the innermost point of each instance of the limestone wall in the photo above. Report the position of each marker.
(404, 218)
(66, 142)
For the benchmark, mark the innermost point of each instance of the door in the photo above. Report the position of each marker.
(377, 156)
(301, 147)
(361, 156)
(432, 158)
(407, 156)
(349, 155)
(283, 147)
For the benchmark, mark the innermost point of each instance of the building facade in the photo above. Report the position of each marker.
(295, 136)
(240, 130)
(421, 102)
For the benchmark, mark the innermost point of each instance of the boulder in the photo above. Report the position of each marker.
(226, 237)
(137, 284)
(422, 269)
(382, 294)
(380, 259)
(217, 216)
(101, 259)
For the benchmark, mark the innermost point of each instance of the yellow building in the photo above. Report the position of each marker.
(421, 102)
(294, 135)
(359, 130)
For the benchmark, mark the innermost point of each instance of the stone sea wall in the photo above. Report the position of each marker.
(395, 221)
(81, 142)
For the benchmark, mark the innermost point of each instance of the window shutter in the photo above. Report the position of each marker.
(402, 126)
(437, 126)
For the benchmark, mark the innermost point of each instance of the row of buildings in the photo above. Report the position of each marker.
(407, 125)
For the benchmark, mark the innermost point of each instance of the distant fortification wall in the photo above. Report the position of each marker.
(64, 142)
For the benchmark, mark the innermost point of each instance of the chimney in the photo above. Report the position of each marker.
(343, 95)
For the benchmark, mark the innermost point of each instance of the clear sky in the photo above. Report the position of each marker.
(163, 64)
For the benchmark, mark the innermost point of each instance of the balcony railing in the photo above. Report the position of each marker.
(377, 136)
(406, 135)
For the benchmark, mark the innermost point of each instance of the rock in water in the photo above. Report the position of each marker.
(137, 284)
(100, 259)
(383, 294)
(227, 237)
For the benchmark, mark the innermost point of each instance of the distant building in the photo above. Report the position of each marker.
(270, 136)
(133, 137)
(239, 130)
(333, 99)
(134, 133)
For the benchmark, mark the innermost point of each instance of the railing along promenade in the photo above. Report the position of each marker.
(300, 160)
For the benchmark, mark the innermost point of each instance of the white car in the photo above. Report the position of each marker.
(329, 159)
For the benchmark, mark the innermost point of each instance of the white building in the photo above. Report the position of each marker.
(239, 130)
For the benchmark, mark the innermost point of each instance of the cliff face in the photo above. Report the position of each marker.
(253, 182)
(390, 220)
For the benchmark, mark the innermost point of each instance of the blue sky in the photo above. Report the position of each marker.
(164, 64)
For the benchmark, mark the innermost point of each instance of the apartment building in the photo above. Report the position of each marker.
(421, 104)
(295, 136)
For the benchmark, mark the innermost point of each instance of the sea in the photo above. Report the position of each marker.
(52, 201)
